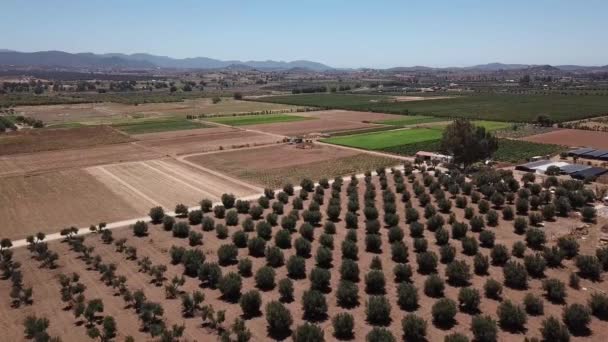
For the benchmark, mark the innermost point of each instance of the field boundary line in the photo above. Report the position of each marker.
(127, 185)
(219, 174)
(128, 222)
(174, 178)
(166, 166)
(381, 154)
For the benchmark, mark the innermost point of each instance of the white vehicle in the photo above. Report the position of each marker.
(605, 200)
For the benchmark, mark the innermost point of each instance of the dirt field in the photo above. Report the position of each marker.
(35, 163)
(36, 140)
(165, 182)
(155, 246)
(310, 126)
(274, 166)
(56, 200)
(572, 137)
(350, 116)
(107, 112)
(203, 140)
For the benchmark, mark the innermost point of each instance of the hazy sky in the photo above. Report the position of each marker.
(340, 33)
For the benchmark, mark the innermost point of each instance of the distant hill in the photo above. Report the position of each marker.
(140, 61)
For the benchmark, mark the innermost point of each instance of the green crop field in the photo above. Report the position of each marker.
(256, 119)
(511, 151)
(408, 120)
(158, 125)
(380, 140)
(496, 107)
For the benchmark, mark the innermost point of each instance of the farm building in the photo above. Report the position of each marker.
(580, 151)
(434, 156)
(589, 153)
(532, 166)
(572, 168)
(590, 172)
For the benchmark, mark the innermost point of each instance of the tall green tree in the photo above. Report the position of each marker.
(468, 143)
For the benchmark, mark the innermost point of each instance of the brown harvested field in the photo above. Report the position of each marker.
(274, 166)
(572, 137)
(310, 126)
(203, 140)
(35, 163)
(157, 244)
(165, 183)
(350, 116)
(52, 201)
(49, 139)
(109, 112)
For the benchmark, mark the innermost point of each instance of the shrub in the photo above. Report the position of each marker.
(210, 273)
(555, 290)
(319, 279)
(456, 337)
(522, 206)
(208, 224)
(533, 304)
(221, 231)
(484, 329)
(414, 328)
(140, 228)
(576, 317)
(156, 214)
(219, 211)
(574, 281)
(181, 230)
(481, 264)
(402, 272)
(195, 217)
(535, 238)
(420, 245)
(521, 225)
(349, 270)
(469, 212)
(256, 211)
(554, 331)
(535, 265)
(515, 275)
(434, 286)
(343, 324)
(264, 278)
(227, 254)
(569, 246)
(447, 253)
(181, 210)
(427, 262)
(411, 215)
(469, 299)
(487, 238)
(307, 231)
(296, 267)
(314, 305)
(303, 247)
(443, 311)
(483, 206)
(282, 239)
(380, 335)
(435, 222)
(507, 213)
(416, 229)
(274, 256)
(256, 246)
(589, 214)
(245, 266)
(459, 230)
(535, 219)
(492, 289)
(442, 236)
(588, 266)
(518, 249)
(347, 294)
(407, 296)
(240, 238)
(378, 310)
(373, 243)
(263, 230)
(598, 303)
(511, 317)
(308, 332)
(469, 245)
(399, 252)
(375, 282)
(278, 318)
(395, 233)
(230, 286)
(349, 250)
(458, 273)
(329, 228)
(168, 222)
(476, 223)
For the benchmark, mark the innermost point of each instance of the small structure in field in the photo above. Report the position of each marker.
(434, 156)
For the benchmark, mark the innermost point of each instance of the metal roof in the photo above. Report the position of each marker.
(592, 171)
(572, 168)
(535, 164)
(595, 153)
(583, 150)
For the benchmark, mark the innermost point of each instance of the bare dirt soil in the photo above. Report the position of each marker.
(52, 201)
(572, 137)
(36, 140)
(108, 112)
(156, 245)
(165, 182)
(274, 166)
(204, 140)
(350, 116)
(35, 163)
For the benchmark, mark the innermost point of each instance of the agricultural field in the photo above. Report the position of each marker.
(380, 140)
(380, 256)
(275, 166)
(37, 140)
(255, 119)
(410, 120)
(158, 125)
(496, 107)
(572, 137)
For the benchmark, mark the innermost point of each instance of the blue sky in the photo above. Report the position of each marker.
(341, 33)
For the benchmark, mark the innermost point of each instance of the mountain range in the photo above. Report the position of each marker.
(60, 59)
